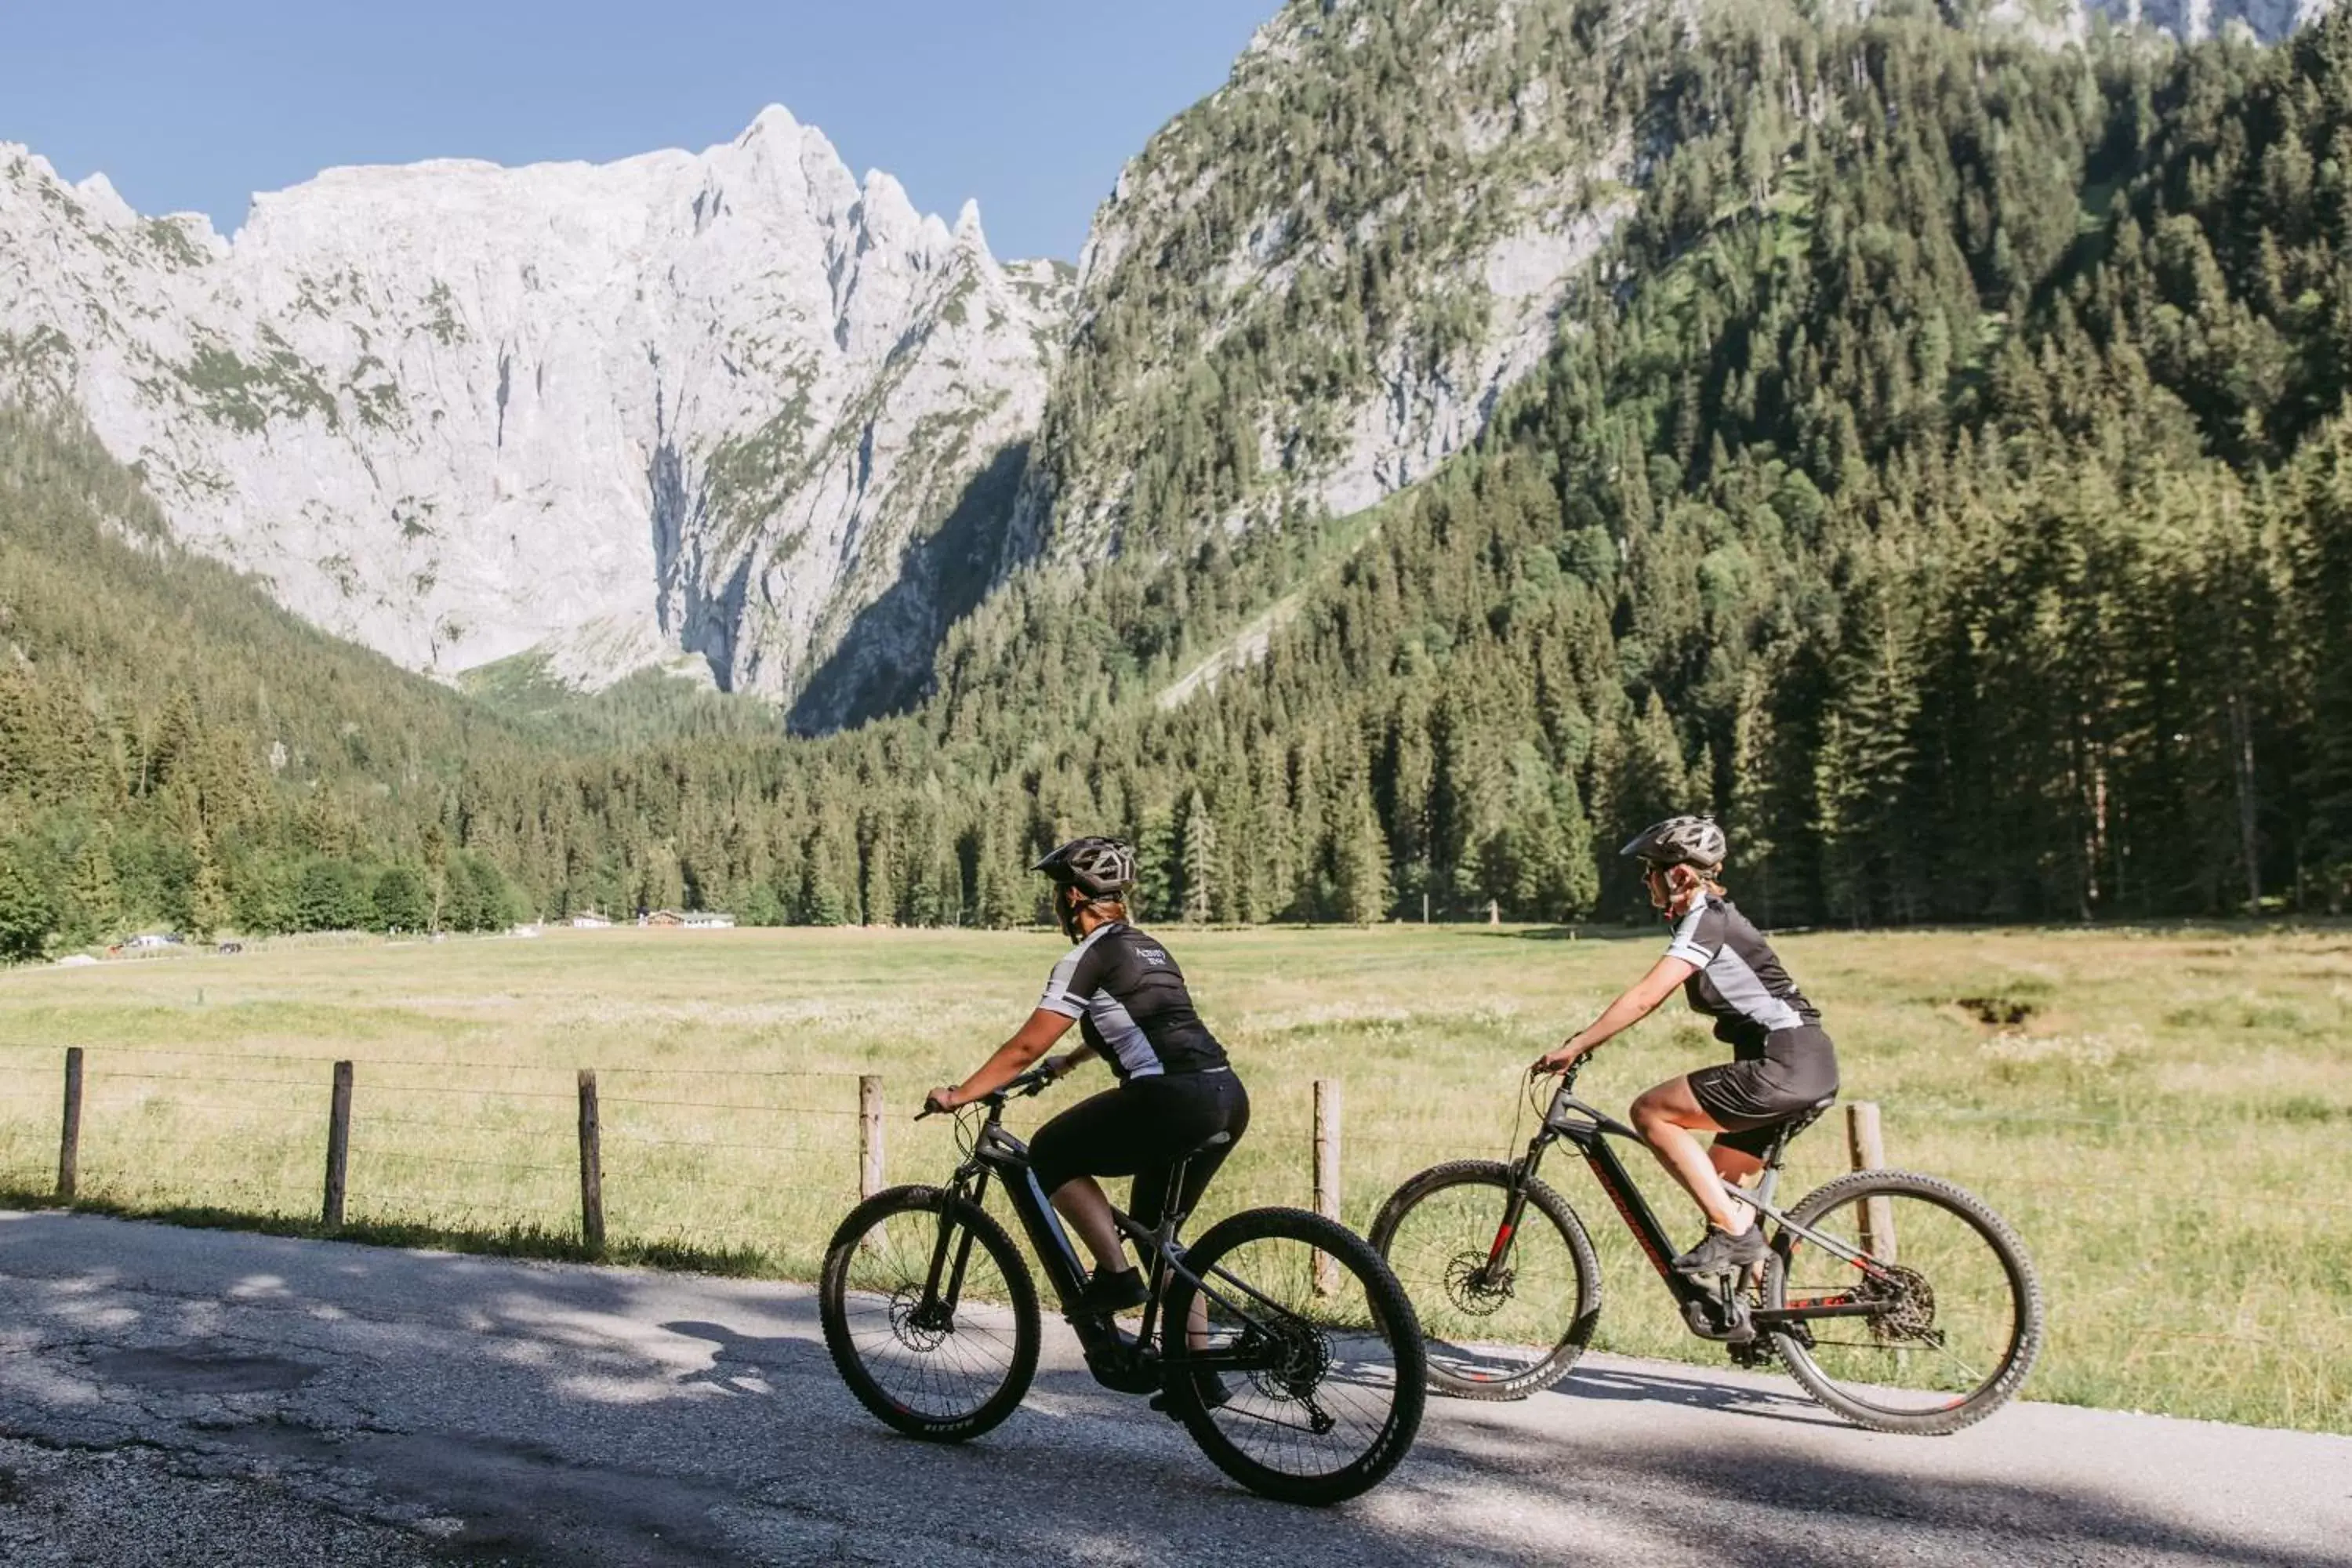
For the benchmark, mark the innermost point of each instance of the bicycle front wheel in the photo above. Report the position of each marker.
(1945, 1330)
(929, 1313)
(1506, 1311)
(1323, 1390)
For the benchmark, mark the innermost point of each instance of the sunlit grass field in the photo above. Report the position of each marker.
(2161, 1114)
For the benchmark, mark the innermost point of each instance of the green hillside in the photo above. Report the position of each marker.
(1941, 474)
(175, 750)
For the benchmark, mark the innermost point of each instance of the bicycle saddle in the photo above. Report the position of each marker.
(1786, 1132)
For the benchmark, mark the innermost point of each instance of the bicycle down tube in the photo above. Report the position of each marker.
(1590, 1136)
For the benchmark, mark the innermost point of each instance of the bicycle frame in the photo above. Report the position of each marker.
(1590, 1128)
(1108, 1350)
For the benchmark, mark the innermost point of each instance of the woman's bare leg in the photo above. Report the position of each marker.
(1081, 1202)
(1669, 1120)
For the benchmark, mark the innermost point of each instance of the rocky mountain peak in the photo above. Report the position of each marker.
(591, 415)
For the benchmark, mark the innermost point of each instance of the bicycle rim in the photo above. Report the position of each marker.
(1957, 1315)
(936, 1366)
(1329, 1393)
(1504, 1316)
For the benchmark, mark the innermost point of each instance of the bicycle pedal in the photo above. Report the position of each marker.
(1701, 1318)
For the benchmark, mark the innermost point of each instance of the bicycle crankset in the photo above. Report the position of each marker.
(1711, 1318)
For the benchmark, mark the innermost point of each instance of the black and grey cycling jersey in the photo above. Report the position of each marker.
(1130, 1002)
(1739, 983)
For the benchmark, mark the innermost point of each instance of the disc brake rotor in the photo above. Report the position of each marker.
(917, 1327)
(1474, 1288)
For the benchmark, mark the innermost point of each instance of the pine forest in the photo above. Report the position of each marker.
(1943, 474)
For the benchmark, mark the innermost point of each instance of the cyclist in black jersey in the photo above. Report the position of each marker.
(1783, 1063)
(1175, 1089)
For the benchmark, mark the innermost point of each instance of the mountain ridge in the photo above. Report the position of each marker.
(456, 410)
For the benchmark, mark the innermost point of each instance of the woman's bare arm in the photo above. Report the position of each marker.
(1009, 1061)
(1639, 1000)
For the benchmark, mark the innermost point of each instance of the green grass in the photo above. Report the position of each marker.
(2157, 1112)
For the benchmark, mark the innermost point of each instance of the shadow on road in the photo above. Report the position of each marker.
(1749, 1504)
(573, 1415)
(737, 1357)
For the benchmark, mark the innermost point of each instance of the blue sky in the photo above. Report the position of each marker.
(1031, 106)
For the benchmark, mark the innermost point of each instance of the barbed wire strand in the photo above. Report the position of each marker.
(371, 1087)
(729, 1105)
(107, 1075)
(624, 1139)
(404, 1156)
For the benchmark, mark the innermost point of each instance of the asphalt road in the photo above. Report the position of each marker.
(175, 1396)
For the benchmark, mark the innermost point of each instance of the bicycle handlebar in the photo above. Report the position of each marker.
(1568, 1074)
(1032, 1082)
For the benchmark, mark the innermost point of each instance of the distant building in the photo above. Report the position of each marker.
(589, 923)
(691, 919)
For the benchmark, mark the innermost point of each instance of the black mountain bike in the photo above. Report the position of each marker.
(1898, 1300)
(1307, 1386)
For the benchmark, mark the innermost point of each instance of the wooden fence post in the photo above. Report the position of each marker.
(339, 1146)
(591, 1166)
(1867, 1148)
(869, 1135)
(69, 1138)
(1326, 1175)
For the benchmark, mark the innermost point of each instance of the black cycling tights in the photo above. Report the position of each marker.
(1140, 1130)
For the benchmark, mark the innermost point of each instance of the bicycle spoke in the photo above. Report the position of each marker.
(1949, 1318)
(1320, 1387)
(936, 1363)
(1496, 1307)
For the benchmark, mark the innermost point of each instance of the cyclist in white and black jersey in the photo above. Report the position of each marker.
(1782, 1063)
(1175, 1090)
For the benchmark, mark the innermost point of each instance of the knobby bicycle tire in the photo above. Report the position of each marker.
(833, 1292)
(1579, 1315)
(1394, 1323)
(2025, 1290)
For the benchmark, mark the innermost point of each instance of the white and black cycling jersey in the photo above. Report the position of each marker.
(1740, 982)
(1130, 999)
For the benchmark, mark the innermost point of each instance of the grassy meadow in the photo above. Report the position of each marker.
(2160, 1113)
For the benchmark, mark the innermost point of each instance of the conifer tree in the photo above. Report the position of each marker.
(93, 895)
(1200, 865)
(25, 915)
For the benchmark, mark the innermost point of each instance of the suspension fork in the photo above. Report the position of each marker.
(940, 1262)
(1515, 1202)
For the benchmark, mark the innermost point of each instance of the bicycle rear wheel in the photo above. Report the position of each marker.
(1506, 1315)
(1327, 1393)
(1956, 1315)
(942, 1362)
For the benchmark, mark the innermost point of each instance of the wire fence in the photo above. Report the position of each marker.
(768, 1159)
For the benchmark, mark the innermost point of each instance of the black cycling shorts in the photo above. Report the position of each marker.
(1789, 1072)
(1141, 1129)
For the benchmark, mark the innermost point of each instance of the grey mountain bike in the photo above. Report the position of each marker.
(1896, 1300)
(1308, 1387)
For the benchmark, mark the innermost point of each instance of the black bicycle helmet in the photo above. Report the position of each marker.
(1694, 841)
(1098, 867)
